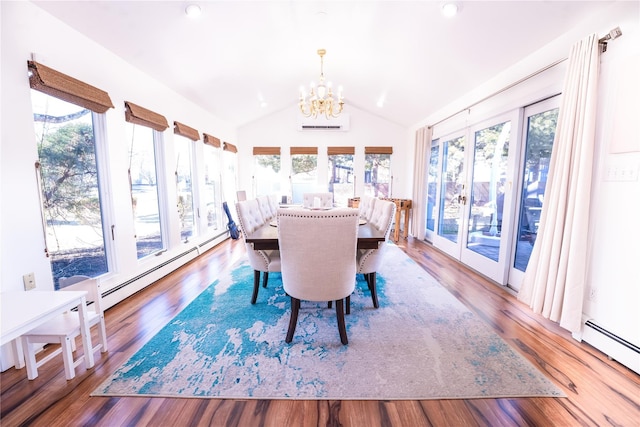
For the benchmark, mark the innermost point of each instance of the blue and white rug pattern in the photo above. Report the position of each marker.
(422, 343)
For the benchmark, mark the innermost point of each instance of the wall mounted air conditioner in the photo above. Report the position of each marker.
(340, 123)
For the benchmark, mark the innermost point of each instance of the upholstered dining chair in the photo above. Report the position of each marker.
(369, 260)
(366, 207)
(318, 258)
(265, 208)
(64, 329)
(262, 262)
(326, 200)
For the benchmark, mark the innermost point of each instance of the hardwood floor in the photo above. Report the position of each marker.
(600, 392)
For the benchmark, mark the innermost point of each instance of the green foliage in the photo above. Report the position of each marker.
(303, 163)
(540, 135)
(69, 174)
(269, 161)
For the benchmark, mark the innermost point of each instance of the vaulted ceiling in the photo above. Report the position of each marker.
(400, 60)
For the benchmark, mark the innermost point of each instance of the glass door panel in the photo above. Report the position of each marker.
(432, 189)
(539, 134)
(487, 190)
(452, 188)
(489, 221)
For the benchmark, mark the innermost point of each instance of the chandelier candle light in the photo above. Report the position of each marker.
(320, 100)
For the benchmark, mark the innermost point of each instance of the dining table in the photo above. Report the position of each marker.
(265, 237)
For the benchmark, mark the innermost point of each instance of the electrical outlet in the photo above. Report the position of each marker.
(593, 294)
(29, 281)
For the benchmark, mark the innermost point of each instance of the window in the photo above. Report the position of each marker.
(212, 195)
(341, 182)
(184, 181)
(304, 172)
(266, 175)
(143, 182)
(230, 166)
(71, 198)
(145, 150)
(377, 171)
(184, 146)
(69, 128)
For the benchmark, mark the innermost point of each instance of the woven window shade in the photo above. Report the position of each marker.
(186, 131)
(211, 140)
(230, 147)
(141, 116)
(54, 83)
(340, 150)
(304, 150)
(269, 151)
(378, 150)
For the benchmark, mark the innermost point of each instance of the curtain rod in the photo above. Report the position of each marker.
(612, 35)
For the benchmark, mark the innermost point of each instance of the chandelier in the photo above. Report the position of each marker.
(320, 100)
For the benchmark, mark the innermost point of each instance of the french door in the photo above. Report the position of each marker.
(486, 189)
(475, 213)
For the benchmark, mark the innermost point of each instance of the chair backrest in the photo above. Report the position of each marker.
(250, 218)
(63, 282)
(93, 293)
(265, 208)
(318, 252)
(273, 204)
(326, 200)
(383, 215)
(249, 215)
(366, 206)
(382, 219)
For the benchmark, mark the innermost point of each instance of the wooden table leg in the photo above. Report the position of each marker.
(396, 232)
(405, 231)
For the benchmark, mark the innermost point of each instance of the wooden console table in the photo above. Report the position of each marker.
(402, 205)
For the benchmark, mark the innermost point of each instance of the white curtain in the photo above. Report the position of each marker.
(422, 147)
(554, 281)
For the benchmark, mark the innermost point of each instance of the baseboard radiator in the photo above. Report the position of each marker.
(614, 346)
(121, 291)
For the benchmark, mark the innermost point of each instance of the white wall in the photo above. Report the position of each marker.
(280, 130)
(28, 30)
(613, 282)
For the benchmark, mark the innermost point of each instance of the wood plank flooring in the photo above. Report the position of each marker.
(600, 392)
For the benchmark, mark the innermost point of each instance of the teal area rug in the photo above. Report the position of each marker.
(422, 343)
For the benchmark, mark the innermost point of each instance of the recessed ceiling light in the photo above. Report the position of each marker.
(193, 11)
(449, 9)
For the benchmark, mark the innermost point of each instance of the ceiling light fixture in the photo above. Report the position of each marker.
(320, 100)
(449, 9)
(193, 11)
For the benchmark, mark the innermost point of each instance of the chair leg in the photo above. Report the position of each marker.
(341, 325)
(67, 357)
(372, 287)
(256, 286)
(102, 333)
(266, 277)
(30, 356)
(348, 302)
(295, 307)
